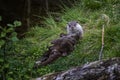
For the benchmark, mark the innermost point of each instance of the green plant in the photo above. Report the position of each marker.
(7, 37)
(92, 4)
(21, 55)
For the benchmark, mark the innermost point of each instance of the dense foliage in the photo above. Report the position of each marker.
(8, 37)
(17, 57)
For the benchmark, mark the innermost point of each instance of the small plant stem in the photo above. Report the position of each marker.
(101, 51)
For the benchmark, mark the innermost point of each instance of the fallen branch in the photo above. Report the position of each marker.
(101, 51)
(106, 21)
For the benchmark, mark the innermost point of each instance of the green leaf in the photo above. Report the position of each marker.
(2, 42)
(10, 72)
(6, 66)
(10, 29)
(10, 79)
(10, 25)
(17, 23)
(14, 39)
(14, 34)
(1, 60)
(1, 28)
(3, 34)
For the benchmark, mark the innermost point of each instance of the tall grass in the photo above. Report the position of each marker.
(87, 49)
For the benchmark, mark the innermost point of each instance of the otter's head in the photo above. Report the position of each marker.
(72, 24)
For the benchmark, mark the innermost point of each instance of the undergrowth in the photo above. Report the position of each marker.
(89, 16)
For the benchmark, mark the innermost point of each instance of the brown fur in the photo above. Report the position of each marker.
(62, 46)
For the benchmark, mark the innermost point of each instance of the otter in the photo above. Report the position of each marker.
(64, 45)
(61, 47)
(74, 27)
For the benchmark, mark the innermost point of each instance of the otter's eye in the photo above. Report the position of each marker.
(69, 25)
(74, 24)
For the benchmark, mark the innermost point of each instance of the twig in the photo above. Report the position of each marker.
(101, 51)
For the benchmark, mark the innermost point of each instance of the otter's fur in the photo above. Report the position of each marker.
(74, 27)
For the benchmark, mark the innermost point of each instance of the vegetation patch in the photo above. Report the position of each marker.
(21, 55)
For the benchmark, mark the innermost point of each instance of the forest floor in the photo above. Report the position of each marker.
(33, 45)
(88, 48)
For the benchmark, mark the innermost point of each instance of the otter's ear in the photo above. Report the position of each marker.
(68, 25)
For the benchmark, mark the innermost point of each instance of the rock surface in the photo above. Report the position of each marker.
(98, 70)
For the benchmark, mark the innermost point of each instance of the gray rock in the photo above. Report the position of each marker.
(98, 70)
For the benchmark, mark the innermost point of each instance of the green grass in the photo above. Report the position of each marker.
(38, 38)
(88, 48)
